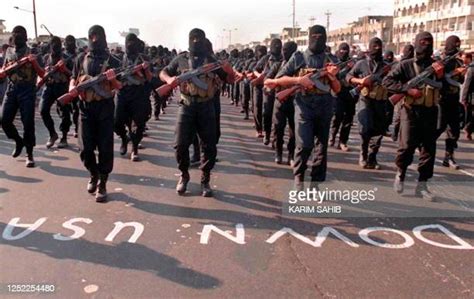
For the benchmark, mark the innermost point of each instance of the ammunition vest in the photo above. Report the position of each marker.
(304, 71)
(24, 74)
(90, 94)
(134, 79)
(377, 92)
(430, 96)
(190, 89)
(57, 77)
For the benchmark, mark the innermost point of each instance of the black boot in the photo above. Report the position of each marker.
(124, 145)
(101, 195)
(30, 162)
(206, 190)
(18, 147)
(422, 191)
(134, 156)
(299, 183)
(63, 142)
(278, 157)
(182, 183)
(449, 161)
(92, 184)
(398, 184)
(372, 162)
(52, 139)
(363, 161)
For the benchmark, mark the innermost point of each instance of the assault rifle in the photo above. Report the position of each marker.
(283, 95)
(113, 75)
(165, 90)
(9, 69)
(374, 78)
(421, 79)
(60, 65)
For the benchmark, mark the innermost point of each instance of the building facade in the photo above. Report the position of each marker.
(440, 17)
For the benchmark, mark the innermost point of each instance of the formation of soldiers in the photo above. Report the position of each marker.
(312, 94)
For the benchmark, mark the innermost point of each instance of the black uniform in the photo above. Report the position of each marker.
(262, 58)
(96, 119)
(371, 106)
(313, 110)
(467, 92)
(418, 117)
(20, 96)
(345, 103)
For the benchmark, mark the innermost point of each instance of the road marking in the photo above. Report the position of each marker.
(460, 170)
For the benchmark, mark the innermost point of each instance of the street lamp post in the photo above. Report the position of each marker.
(34, 16)
(230, 34)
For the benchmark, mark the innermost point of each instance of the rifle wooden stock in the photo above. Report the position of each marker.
(15, 65)
(285, 94)
(396, 98)
(68, 97)
(259, 80)
(165, 90)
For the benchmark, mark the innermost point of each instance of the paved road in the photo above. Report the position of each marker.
(237, 244)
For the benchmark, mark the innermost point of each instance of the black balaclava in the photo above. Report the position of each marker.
(288, 49)
(423, 46)
(19, 36)
(234, 53)
(453, 43)
(408, 52)
(260, 51)
(343, 51)
(100, 44)
(197, 42)
(275, 47)
(249, 54)
(317, 45)
(374, 53)
(153, 51)
(132, 46)
(70, 44)
(141, 46)
(209, 49)
(388, 56)
(160, 51)
(55, 46)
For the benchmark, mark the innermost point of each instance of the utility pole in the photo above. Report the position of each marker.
(328, 15)
(294, 18)
(34, 18)
(311, 21)
(230, 34)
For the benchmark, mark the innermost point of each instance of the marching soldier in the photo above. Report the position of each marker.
(418, 114)
(467, 92)
(313, 107)
(20, 94)
(197, 110)
(96, 119)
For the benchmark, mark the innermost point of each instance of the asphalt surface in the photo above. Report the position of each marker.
(174, 257)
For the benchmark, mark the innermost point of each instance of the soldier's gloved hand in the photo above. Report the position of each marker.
(415, 93)
(110, 74)
(171, 80)
(306, 81)
(270, 83)
(438, 67)
(31, 57)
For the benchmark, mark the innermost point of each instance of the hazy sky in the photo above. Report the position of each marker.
(168, 22)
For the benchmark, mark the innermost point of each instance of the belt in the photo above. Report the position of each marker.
(194, 99)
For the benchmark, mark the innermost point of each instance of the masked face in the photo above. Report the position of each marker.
(343, 51)
(70, 44)
(249, 54)
(131, 44)
(423, 46)
(97, 39)
(19, 36)
(288, 49)
(55, 46)
(453, 43)
(317, 39)
(375, 49)
(275, 47)
(408, 52)
(197, 42)
(388, 56)
(260, 52)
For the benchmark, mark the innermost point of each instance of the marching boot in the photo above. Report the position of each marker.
(449, 161)
(206, 190)
(18, 147)
(63, 142)
(52, 139)
(124, 145)
(134, 156)
(398, 184)
(278, 157)
(372, 162)
(422, 191)
(101, 195)
(182, 183)
(92, 184)
(298, 183)
(30, 162)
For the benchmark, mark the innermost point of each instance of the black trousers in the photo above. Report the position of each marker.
(20, 97)
(50, 94)
(131, 111)
(283, 114)
(258, 108)
(200, 119)
(267, 113)
(96, 132)
(343, 117)
(450, 122)
(371, 117)
(417, 129)
(312, 122)
(247, 94)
